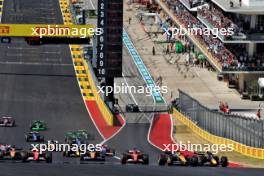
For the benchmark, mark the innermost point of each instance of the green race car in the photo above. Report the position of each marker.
(38, 125)
(84, 134)
(80, 134)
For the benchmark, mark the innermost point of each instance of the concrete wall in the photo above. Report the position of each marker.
(247, 79)
(253, 2)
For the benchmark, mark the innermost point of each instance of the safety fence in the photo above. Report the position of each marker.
(238, 147)
(246, 130)
(84, 72)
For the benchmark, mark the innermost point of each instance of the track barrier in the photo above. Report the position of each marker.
(238, 147)
(83, 72)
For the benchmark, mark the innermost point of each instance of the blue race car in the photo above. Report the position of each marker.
(34, 137)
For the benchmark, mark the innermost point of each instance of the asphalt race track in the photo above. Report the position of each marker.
(38, 82)
(135, 133)
(115, 170)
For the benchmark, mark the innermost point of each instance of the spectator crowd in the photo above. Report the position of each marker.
(217, 49)
(215, 17)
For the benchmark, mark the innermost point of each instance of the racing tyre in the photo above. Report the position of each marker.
(113, 151)
(224, 161)
(124, 160)
(65, 154)
(82, 158)
(23, 156)
(48, 157)
(203, 159)
(145, 159)
(194, 161)
(41, 139)
(1, 154)
(27, 139)
(162, 161)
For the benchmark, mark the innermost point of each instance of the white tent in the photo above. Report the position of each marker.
(261, 82)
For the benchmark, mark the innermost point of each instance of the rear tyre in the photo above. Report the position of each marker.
(124, 160)
(1, 154)
(145, 159)
(203, 159)
(26, 138)
(224, 161)
(113, 151)
(194, 161)
(23, 156)
(162, 161)
(48, 157)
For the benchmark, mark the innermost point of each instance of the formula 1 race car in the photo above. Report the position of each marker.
(7, 122)
(135, 156)
(81, 134)
(38, 125)
(35, 155)
(208, 158)
(176, 158)
(107, 150)
(74, 140)
(93, 156)
(72, 153)
(132, 108)
(11, 153)
(34, 137)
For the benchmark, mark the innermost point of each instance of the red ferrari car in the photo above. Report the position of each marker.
(35, 155)
(135, 156)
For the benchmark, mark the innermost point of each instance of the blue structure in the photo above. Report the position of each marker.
(142, 68)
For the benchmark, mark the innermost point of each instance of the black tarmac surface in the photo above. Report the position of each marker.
(38, 82)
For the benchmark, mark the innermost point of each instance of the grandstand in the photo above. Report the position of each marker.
(239, 57)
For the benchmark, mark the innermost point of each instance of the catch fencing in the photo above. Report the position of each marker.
(245, 130)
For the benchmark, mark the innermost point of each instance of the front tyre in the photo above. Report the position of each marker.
(145, 159)
(124, 160)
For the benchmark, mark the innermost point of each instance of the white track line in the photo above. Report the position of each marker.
(92, 4)
(149, 135)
